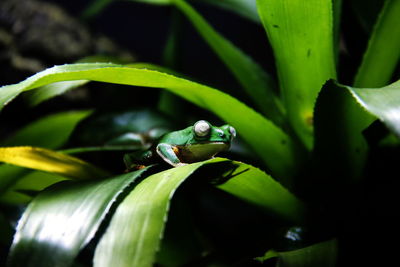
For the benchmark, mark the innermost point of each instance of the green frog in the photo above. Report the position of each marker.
(195, 143)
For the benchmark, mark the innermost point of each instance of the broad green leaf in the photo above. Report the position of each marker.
(256, 187)
(133, 236)
(383, 103)
(63, 219)
(321, 254)
(49, 161)
(273, 146)
(52, 90)
(49, 132)
(300, 33)
(257, 84)
(383, 51)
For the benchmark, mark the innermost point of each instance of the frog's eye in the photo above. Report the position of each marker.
(232, 131)
(202, 128)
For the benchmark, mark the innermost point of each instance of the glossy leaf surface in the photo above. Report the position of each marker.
(274, 147)
(343, 113)
(384, 103)
(49, 161)
(63, 219)
(257, 84)
(300, 33)
(133, 236)
(256, 187)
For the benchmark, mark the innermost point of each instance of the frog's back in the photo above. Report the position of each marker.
(177, 138)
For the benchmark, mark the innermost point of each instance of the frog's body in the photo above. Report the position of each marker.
(194, 143)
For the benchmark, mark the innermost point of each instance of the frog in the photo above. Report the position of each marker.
(198, 142)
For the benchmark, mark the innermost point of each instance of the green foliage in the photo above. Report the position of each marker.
(303, 47)
(311, 140)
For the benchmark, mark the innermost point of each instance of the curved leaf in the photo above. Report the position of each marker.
(255, 186)
(49, 161)
(49, 132)
(257, 84)
(340, 121)
(301, 36)
(273, 146)
(52, 90)
(63, 219)
(384, 103)
(133, 236)
(383, 52)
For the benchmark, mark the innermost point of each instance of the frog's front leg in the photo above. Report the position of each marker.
(168, 154)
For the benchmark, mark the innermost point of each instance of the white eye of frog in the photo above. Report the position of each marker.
(202, 128)
(232, 131)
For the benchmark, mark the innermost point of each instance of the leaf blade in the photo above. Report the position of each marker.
(258, 188)
(49, 161)
(133, 236)
(128, 244)
(300, 33)
(63, 219)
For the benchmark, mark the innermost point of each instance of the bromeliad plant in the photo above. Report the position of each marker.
(309, 136)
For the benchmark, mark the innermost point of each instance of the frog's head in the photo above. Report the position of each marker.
(204, 132)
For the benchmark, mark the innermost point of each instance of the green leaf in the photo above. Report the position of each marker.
(383, 53)
(300, 33)
(256, 187)
(49, 132)
(52, 90)
(63, 219)
(133, 236)
(273, 146)
(49, 161)
(321, 254)
(383, 103)
(257, 84)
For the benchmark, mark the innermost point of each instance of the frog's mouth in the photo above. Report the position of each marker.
(201, 151)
